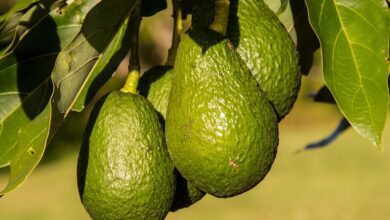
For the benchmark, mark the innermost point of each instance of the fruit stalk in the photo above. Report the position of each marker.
(131, 83)
(221, 16)
(177, 29)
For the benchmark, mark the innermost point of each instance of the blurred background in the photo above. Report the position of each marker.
(350, 179)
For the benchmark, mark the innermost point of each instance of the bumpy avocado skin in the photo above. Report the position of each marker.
(155, 84)
(124, 170)
(221, 131)
(265, 46)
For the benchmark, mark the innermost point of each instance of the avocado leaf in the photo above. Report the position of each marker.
(22, 15)
(7, 31)
(283, 10)
(355, 46)
(91, 58)
(21, 23)
(17, 6)
(25, 88)
(283, 7)
(45, 117)
(294, 17)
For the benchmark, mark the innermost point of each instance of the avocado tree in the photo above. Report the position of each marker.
(56, 54)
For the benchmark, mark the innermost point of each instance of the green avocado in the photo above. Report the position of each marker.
(155, 84)
(221, 131)
(268, 50)
(264, 45)
(124, 170)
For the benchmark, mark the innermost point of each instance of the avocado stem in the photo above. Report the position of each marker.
(177, 29)
(221, 16)
(131, 83)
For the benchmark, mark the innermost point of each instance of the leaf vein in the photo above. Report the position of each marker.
(78, 69)
(320, 14)
(360, 15)
(333, 63)
(365, 47)
(343, 29)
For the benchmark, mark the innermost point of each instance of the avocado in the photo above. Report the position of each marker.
(264, 45)
(268, 50)
(221, 131)
(155, 85)
(124, 170)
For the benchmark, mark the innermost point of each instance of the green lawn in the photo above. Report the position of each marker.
(348, 180)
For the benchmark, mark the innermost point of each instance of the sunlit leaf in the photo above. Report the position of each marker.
(354, 36)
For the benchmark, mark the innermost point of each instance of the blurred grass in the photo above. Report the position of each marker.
(347, 180)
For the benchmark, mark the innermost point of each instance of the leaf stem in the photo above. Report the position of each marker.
(131, 83)
(221, 16)
(177, 29)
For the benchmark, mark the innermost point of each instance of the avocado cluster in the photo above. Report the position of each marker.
(206, 125)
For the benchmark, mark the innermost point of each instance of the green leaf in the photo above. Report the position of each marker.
(85, 57)
(25, 90)
(22, 17)
(21, 23)
(21, 98)
(283, 10)
(104, 67)
(7, 31)
(28, 150)
(18, 6)
(354, 37)
(294, 17)
(283, 6)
